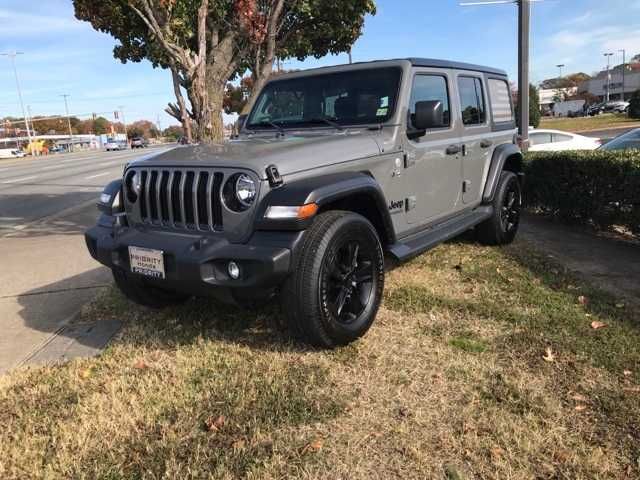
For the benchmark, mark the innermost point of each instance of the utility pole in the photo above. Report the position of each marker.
(350, 57)
(66, 108)
(159, 126)
(33, 152)
(624, 69)
(560, 81)
(12, 57)
(608, 55)
(121, 108)
(524, 25)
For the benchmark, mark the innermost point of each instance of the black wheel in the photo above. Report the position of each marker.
(333, 296)
(502, 227)
(137, 290)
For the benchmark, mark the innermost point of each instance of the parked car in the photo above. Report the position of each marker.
(616, 107)
(115, 146)
(138, 142)
(56, 149)
(595, 109)
(626, 141)
(555, 140)
(389, 157)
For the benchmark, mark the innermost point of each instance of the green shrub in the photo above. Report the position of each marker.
(598, 188)
(634, 105)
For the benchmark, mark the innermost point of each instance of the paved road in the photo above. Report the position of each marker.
(46, 275)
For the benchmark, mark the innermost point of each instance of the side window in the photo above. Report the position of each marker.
(559, 137)
(539, 138)
(472, 101)
(501, 109)
(428, 88)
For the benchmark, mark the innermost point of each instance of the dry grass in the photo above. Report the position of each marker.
(449, 383)
(585, 124)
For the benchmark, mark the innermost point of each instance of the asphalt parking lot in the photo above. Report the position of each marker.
(46, 275)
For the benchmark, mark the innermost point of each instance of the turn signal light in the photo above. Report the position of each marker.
(297, 212)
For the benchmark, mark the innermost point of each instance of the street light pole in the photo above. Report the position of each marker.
(560, 81)
(126, 137)
(12, 57)
(66, 108)
(624, 68)
(608, 55)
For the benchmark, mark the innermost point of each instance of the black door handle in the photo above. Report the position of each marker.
(453, 149)
(486, 143)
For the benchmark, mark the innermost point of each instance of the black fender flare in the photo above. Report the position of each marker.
(498, 160)
(324, 190)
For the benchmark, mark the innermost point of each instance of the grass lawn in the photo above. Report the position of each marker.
(482, 364)
(583, 124)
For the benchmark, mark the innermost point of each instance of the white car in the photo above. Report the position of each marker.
(115, 146)
(556, 141)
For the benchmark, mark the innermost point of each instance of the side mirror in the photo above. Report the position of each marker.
(429, 114)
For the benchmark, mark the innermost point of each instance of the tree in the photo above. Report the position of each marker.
(143, 128)
(206, 43)
(173, 132)
(534, 107)
(572, 80)
(634, 105)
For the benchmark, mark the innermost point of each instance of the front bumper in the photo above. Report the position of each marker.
(197, 264)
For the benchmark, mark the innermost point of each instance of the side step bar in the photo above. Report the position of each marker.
(427, 239)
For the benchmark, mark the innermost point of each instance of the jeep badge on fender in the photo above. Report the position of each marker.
(314, 193)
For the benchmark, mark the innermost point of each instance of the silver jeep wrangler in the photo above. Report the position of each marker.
(334, 168)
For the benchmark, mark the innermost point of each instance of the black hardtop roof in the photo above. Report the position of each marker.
(435, 63)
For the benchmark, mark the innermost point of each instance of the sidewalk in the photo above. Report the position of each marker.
(608, 263)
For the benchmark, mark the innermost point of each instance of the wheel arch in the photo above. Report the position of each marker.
(356, 192)
(505, 157)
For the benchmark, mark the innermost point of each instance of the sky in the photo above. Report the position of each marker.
(65, 56)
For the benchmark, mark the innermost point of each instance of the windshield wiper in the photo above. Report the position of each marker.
(281, 130)
(328, 121)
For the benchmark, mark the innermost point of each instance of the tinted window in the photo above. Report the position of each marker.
(627, 141)
(500, 101)
(348, 98)
(539, 138)
(471, 101)
(430, 88)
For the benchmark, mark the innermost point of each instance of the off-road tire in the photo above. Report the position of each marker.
(141, 292)
(324, 271)
(501, 228)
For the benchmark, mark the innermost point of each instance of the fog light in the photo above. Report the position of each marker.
(234, 270)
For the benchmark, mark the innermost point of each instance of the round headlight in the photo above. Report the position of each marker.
(136, 183)
(133, 186)
(245, 190)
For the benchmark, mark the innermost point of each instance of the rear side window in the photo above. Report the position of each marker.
(559, 137)
(539, 138)
(428, 88)
(500, 101)
(472, 101)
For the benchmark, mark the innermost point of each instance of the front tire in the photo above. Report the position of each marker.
(333, 295)
(501, 228)
(137, 290)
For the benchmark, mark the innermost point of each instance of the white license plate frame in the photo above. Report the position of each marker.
(147, 262)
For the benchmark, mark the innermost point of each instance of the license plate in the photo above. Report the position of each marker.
(146, 261)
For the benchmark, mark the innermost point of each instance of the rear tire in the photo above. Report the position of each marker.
(137, 290)
(501, 228)
(333, 295)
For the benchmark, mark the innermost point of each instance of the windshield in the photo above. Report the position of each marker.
(358, 97)
(623, 142)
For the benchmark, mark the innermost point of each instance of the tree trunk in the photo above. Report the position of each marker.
(186, 120)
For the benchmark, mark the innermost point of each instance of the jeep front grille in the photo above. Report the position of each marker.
(181, 198)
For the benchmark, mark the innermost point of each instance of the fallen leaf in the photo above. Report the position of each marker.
(312, 447)
(403, 412)
(214, 424)
(140, 364)
(596, 325)
(581, 408)
(620, 305)
(627, 373)
(238, 445)
(579, 398)
(497, 452)
(86, 373)
(582, 300)
(549, 357)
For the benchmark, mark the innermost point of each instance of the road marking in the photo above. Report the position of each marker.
(98, 175)
(15, 180)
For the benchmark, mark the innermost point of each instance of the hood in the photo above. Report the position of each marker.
(291, 153)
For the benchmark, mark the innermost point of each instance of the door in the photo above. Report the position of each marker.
(476, 134)
(433, 163)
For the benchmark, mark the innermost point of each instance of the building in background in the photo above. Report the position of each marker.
(597, 86)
